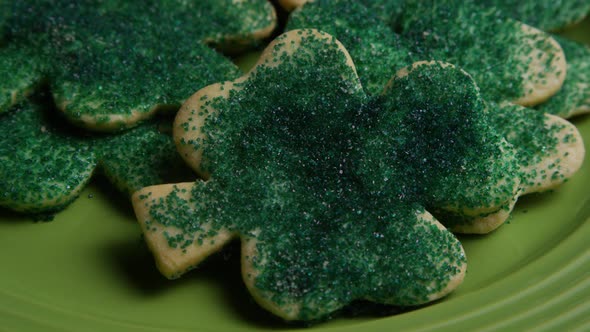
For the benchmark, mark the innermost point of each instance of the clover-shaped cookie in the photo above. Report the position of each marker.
(510, 61)
(325, 186)
(281, 146)
(111, 65)
(574, 97)
(548, 150)
(546, 15)
(45, 163)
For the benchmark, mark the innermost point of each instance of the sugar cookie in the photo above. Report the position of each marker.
(40, 168)
(328, 188)
(281, 146)
(574, 97)
(545, 14)
(284, 167)
(112, 65)
(548, 150)
(45, 163)
(510, 61)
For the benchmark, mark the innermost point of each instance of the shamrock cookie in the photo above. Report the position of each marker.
(40, 168)
(445, 142)
(111, 65)
(510, 61)
(18, 83)
(44, 163)
(574, 97)
(548, 150)
(545, 15)
(282, 147)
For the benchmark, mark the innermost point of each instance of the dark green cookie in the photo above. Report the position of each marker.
(509, 61)
(45, 163)
(329, 188)
(42, 168)
(547, 15)
(549, 149)
(377, 51)
(21, 73)
(112, 64)
(326, 186)
(574, 97)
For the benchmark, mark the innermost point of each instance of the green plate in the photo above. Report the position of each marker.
(88, 270)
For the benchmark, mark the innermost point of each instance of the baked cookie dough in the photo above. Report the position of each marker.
(510, 61)
(45, 163)
(281, 147)
(111, 65)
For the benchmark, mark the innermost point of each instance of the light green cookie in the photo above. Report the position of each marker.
(329, 189)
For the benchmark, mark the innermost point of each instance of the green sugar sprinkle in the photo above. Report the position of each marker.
(574, 97)
(94, 53)
(491, 47)
(44, 163)
(441, 138)
(376, 51)
(526, 129)
(291, 167)
(38, 163)
(332, 182)
(547, 15)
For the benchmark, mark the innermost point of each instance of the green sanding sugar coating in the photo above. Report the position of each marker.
(45, 162)
(479, 41)
(527, 130)
(574, 97)
(106, 58)
(141, 157)
(390, 11)
(20, 72)
(492, 48)
(38, 162)
(440, 137)
(377, 51)
(543, 14)
(330, 181)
